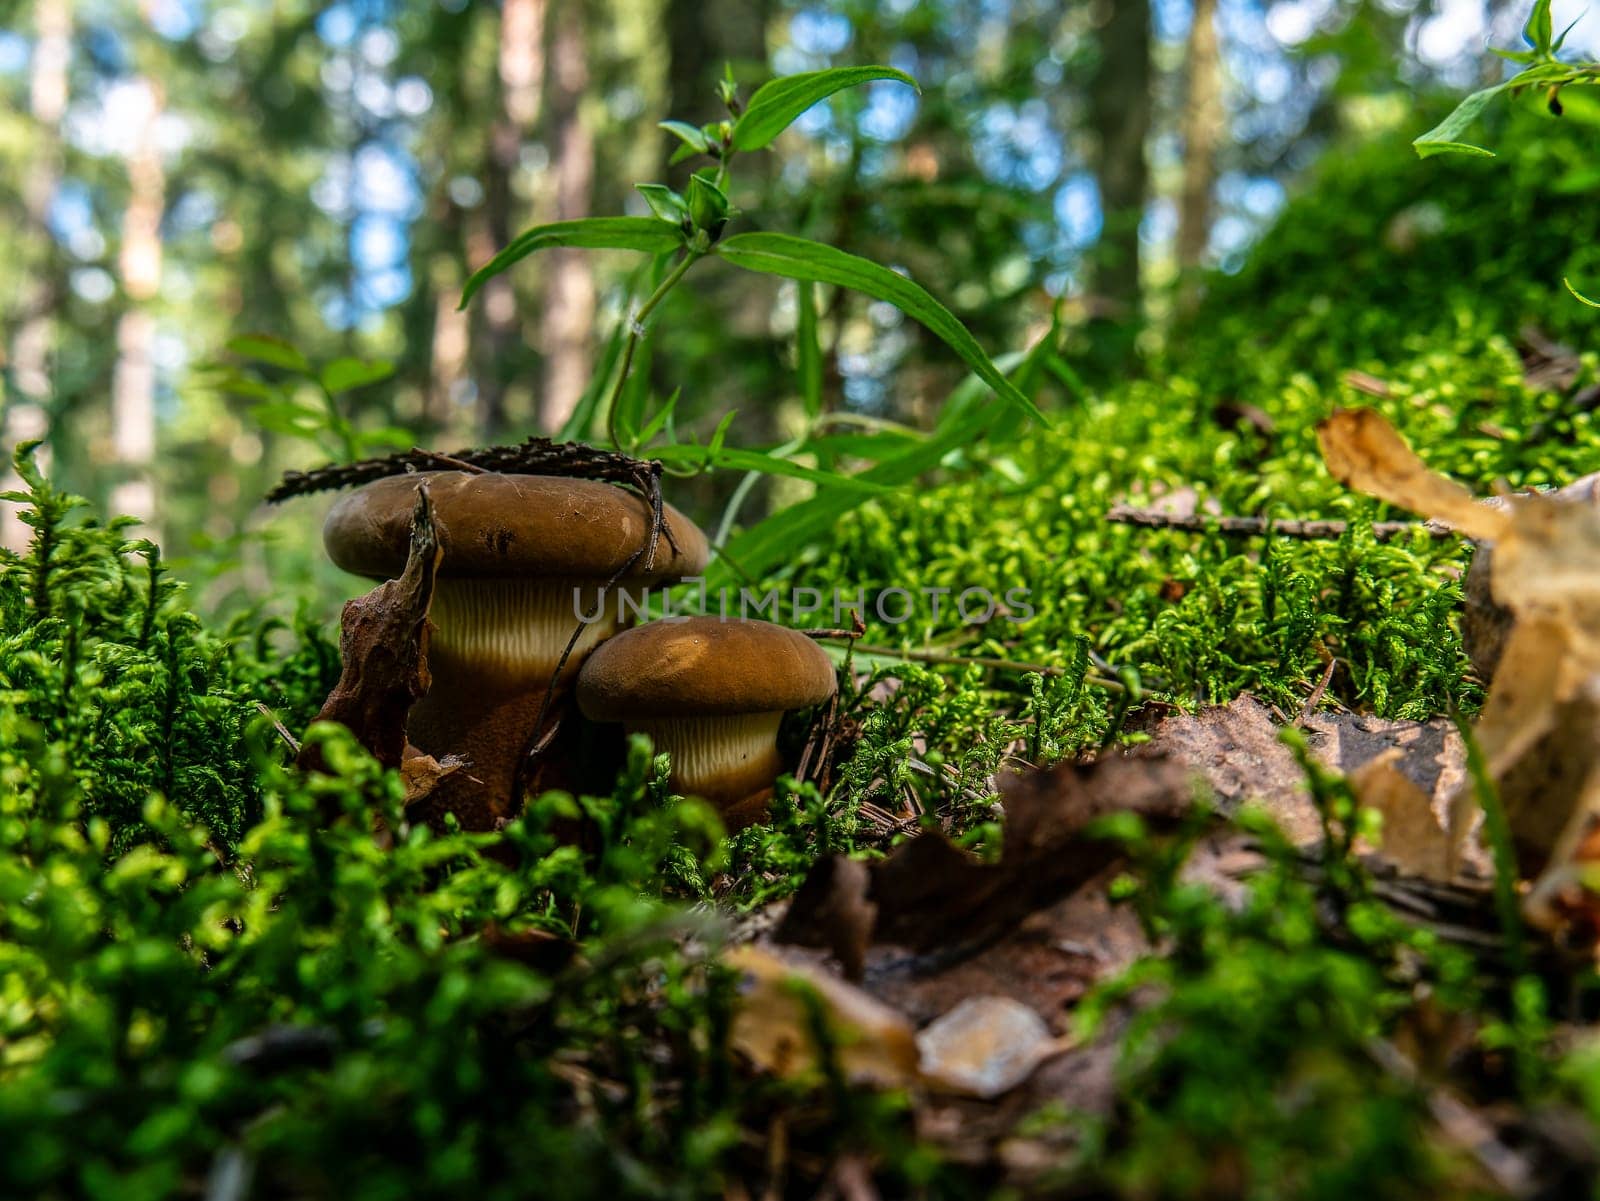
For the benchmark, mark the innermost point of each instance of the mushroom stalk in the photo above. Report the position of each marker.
(723, 759)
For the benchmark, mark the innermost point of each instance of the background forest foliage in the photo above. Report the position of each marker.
(1186, 231)
(186, 173)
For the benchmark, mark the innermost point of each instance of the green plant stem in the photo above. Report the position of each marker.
(339, 426)
(1502, 850)
(635, 330)
(991, 663)
(730, 514)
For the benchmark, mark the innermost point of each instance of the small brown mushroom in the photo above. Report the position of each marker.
(710, 692)
(524, 557)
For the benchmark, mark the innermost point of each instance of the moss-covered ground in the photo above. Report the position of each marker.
(213, 982)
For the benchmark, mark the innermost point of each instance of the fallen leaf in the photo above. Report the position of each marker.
(1538, 733)
(985, 1046)
(1363, 451)
(1540, 726)
(929, 894)
(838, 912)
(1548, 563)
(1565, 899)
(781, 1002)
(421, 774)
(1413, 837)
(1485, 622)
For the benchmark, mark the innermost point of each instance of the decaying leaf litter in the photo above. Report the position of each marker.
(959, 979)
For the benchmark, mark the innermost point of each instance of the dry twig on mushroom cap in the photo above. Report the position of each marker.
(535, 456)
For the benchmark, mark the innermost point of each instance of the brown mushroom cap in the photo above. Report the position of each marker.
(509, 525)
(704, 667)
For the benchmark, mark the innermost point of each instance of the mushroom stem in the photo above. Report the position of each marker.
(495, 645)
(723, 759)
(492, 729)
(516, 630)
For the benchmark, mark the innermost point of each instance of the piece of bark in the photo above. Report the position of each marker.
(1237, 749)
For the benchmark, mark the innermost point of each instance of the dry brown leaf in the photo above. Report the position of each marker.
(1548, 562)
(985, 1046)
(929, 894)
(1565, 898)
(1413, 837)
(1486, 623)
(1540, 726)
(1363, 451)
(1538, 733)
(774, 1022)
(421, 774)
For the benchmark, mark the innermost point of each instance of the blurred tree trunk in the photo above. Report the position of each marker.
(521, 70)
(1119, 112)
(448, 356)
(702, 35)
(133, 383)
(569, 288)
(1202, 123)
(26, 417)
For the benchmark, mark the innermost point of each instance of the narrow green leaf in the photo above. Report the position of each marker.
(275, 352)
(590, 233)
(875, 446)
(660, 419)
(772, 542)
(249, 386)
(778, 102)
(809, 348)
(635, 395)
(801, 259)
(578, 425)
(681, 154)
(392, 437)
(689, 135)
(1593, 304)
(1445, 137)
(739, 459)
(1502, 848)
(347, 374)
(719, 435)
(1540, 28)
(750, 460)
(1561, 41)
(664, 202)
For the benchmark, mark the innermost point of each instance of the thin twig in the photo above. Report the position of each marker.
(939, 657)
(448, 461)
(1315, 698)
(289, 739)
(1199, 523)
(535, 456)
(857, 630)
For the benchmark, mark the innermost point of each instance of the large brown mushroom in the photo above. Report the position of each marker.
(523, 557)
(711, 692)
